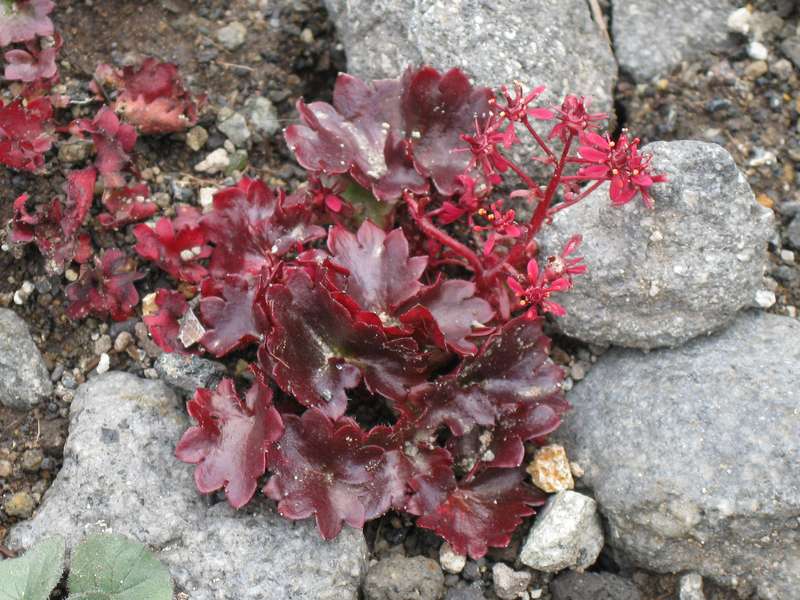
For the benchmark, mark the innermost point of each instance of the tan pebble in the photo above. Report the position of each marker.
(550, 469)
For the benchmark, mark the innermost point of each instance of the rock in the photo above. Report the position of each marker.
(465, 592)
(566, 534)
(235, 129)
(793, 232)
(757, 51)
(663, 276)
(401, 578)
(188, 372)
(32, 460)
(262, 115)
(20, 505)
(196, 138)
(651, 36)
(690, 587)
(597, 586)
(550, 470)
(75, 151)
(791, 48)
(538, 42)
(119, 474)
(450, 561)
(765, 298)
(232, 35)
(508, 583)
(24, 380)
(692, 454)
(6, 468)
(214, 163)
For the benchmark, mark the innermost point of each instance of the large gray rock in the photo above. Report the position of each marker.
(693, 454)
(652, 36)
(119, 474)
(24, 380)
(539, 42)
(659, 277)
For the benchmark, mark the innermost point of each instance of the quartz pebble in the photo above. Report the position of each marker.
(508, 583)
(550, 469)
(450, 561)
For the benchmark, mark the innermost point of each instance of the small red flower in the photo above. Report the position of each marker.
(621, 163)
(537, 294)
(563, 265)
(501, 224)
(574, 118)
(516, 108)
(483, 145)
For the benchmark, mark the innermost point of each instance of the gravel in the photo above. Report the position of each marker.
(119, 474)
(663, 276)
(232, 35)
(699, 443)
(690, 587)
(235, 129)
(24, 380)
(508, 583)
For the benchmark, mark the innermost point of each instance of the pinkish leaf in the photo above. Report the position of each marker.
(164, 325)
(126, 205)
(105, 290)
(24, 20)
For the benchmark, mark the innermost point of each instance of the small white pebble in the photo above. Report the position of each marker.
(791, 311)
(71, 275)
(757, 51)
(787, 256)
(765, 298)
(450, 561)
(104, 364)
(187, 255)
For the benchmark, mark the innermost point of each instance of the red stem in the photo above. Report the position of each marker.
(433, 232)
(542, 144)
(540, 214)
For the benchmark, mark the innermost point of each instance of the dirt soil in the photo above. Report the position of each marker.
(291, 51)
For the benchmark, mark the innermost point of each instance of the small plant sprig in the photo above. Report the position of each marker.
(391, 307)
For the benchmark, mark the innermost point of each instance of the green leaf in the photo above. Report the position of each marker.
(112, 567)
(366, 205)
(33, 575)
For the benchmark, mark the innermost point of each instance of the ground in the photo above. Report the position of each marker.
(290, 52)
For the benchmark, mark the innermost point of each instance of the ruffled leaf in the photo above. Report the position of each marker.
(126, 205)
(113, 141)
(164, 325)
(105, 290)
(25, 133)
(24, 20)
(381, 275)
(175, 246)
(321, 467)
(484, 512)
(319, 350)
(231, 439)
(233, 312)
(152, 97)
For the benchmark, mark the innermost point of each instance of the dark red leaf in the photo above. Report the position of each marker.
(321, 467)
(175, 246)
(381, 276)
(437, 109)
(484, 512)
(231, 439)
(126, 205)
(113, 141)
(319, 350)
(25, 133)
(233, 311)
(105, 290)
(451, 313)
(250, 226)
(164, 325)
(512, 370)
(392, 135)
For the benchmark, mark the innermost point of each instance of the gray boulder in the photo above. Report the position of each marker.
(24, 380)
(538, 42)
(692, 454)
(659, 277)
(401, 578)
(119, 474)
(652, 36)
